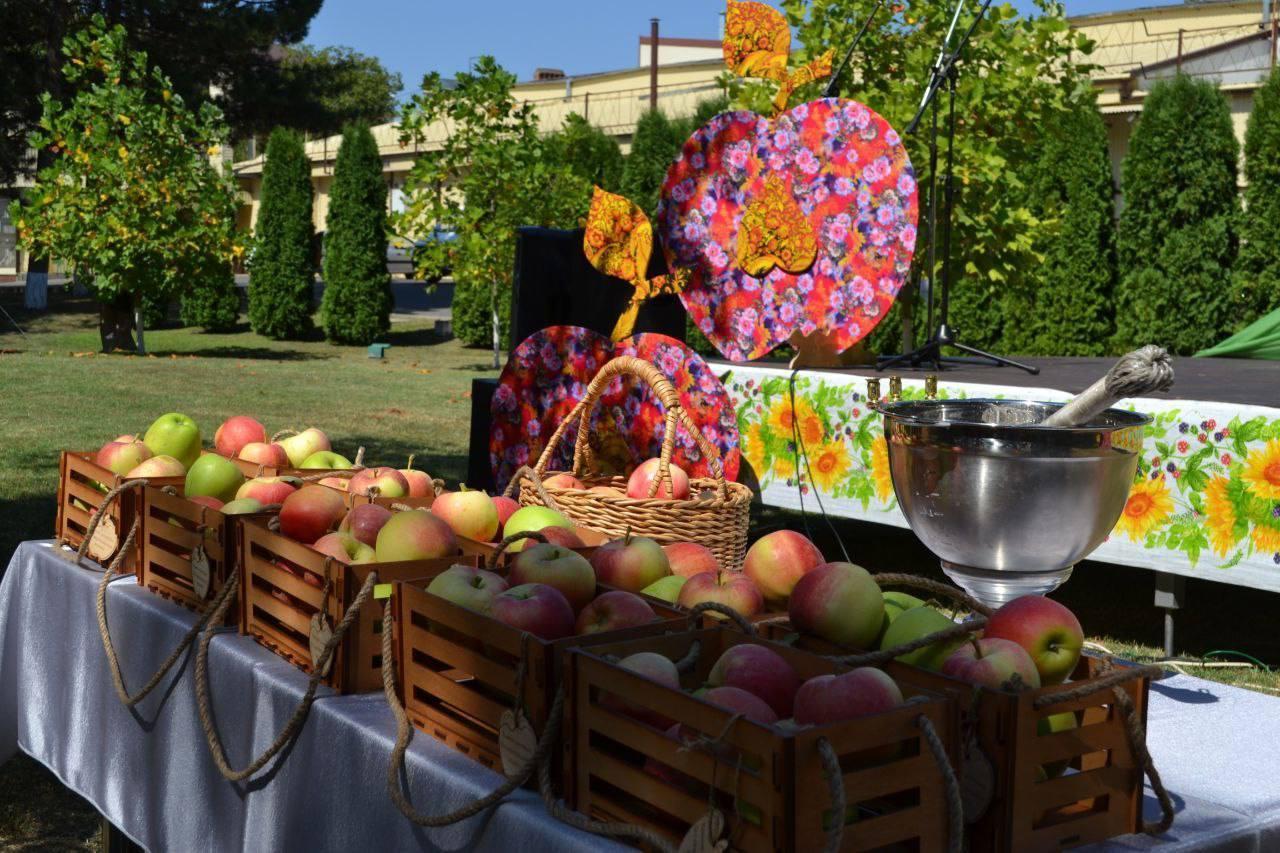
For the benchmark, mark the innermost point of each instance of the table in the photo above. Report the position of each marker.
(150, 774)
(1204, 505)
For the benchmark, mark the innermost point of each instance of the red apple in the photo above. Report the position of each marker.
(995, 663)
(207, 500)
(535, 607)
(470, 513)
(532, 518)
(414, 535)
(122, 456)
(506, 507)
(839, 602)
(778, 560)
(260, 453)
(639, 483)
(1049, 632)
(235, 433)
(614, 610)
(157, 466)
(364, 521)
(827, 699)
(567, 571)
(740, 701)
(651, 665)
(344, 547)
(562, 536)
(564, 481)
(420, 484)
(467, 586)
(732, 589)
(689, 558)
(631, 563)
(310, 513)
(389, 482)
(267, 490)
(241, 506)
(760, 671)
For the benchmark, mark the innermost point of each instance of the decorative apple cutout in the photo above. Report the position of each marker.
(1049, 632)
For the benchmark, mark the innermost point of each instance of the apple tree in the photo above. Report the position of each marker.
(486, 171)
(131, 197)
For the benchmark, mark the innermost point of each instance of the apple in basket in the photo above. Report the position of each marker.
(235, 433)
(470, 513)
(568, 482)
(467, 586)
(158, 466)
(827, 699)
(532, 518)
(614, 610)
(175, 435)
(123, 455)
(608, 491)
(268, 490)
(639, 482)
(760, 671)
(534, 607)
(630, 563)
(777, 561)
(995, 663)
(414, 535)
(916, 623)
(304, 444)
(689, 558)
(213, 475)
(1049, 632)
(344, 548)
(389, 482)
(651, 665)
(839, 602)
(264, 454)
(554, 565)
(310, 513)
(363, 521)
(732, 589)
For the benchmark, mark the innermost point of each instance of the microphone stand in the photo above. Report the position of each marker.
(944, 72)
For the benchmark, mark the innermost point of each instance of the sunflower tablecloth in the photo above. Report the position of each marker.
(1205, 502)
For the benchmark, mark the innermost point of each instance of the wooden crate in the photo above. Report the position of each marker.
(353, 500)
(171, 529)
(457, 668)
(627, 769)
(1098, 797)
(281, 588)
(82, 484)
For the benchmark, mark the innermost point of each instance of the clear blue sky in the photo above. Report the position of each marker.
(416, 36)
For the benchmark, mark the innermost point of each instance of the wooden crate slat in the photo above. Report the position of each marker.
(458, 733)
(159, 529)
(288, 582)
(458, 695)
(76, 516)
(1079, 829)
(473, 661)
(1078, 786)
(495, 634)
(879, 831)
(88, 494)
(170, 562)
(1062, 746)
(632, 780)
(289, 616)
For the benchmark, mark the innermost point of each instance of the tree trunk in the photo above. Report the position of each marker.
(497, 325)
(115, 324)
(137, 323)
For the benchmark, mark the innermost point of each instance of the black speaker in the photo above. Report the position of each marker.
(555, 285)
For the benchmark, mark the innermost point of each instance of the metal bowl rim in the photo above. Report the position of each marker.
(893, 411)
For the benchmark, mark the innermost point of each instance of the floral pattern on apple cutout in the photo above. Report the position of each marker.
(547, 375)
(849, 176)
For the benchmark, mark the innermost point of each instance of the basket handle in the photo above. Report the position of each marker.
(675, 413)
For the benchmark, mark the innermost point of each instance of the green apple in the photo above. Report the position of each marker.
(532, 518)
(326, 460)
(213, 476)
(1052, 724)
(920, 622)
(895, 604)
(174, 435)
(241, 506)
(668, 588)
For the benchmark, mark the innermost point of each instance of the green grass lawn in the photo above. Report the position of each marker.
(58, 392)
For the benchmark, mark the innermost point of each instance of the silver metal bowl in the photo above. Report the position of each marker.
(1009, 506)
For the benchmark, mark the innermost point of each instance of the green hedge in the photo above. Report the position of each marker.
(1257, 280)
(281, 275)
(357, 289)
(211, 300)
(1177, 238)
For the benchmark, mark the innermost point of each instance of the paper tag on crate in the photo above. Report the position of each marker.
(516, 742)
(977, 781)
(320, 634)
(105, 540)
(705, 835)
(199, 572)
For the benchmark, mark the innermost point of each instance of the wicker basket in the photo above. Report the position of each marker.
(715, 516)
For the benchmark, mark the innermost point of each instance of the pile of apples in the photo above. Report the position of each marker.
(638, 484)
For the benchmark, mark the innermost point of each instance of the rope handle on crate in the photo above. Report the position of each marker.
(99, 513)
(524, 472)
(294, 726)
(675, 413)
(734, 616)
(507, 542)
(1111, 679)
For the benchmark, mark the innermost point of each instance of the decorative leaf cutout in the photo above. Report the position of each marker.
(618, 242)
(757, 43)
(775, 233)
(814, 70)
